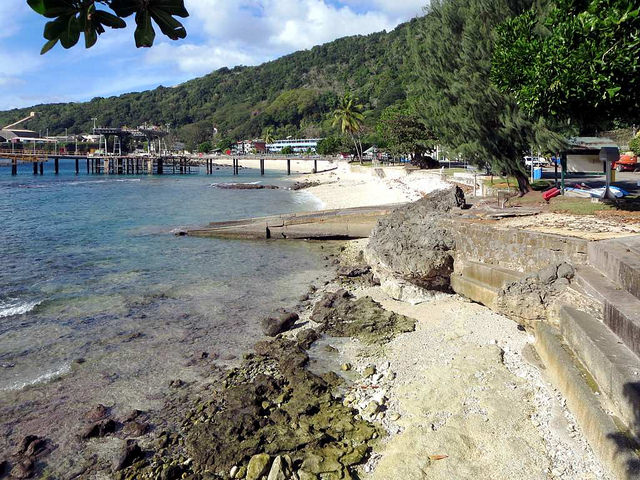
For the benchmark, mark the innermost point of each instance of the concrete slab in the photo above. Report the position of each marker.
(614, 447)
(348, 223)
(618, 259)
(621, 310)
(613, 366)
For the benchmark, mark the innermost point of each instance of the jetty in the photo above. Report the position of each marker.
(138, 164)
(345, 223)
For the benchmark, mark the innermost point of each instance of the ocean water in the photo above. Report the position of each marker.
(100, 302)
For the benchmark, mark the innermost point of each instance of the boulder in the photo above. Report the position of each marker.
(272, 326)
(129, 455)
(281, 468)
(100, 429)
(307, 337)
(23, 469)
(413, 243)
(258, 466)
(533, 298)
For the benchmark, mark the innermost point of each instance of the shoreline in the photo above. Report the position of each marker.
(401, 404)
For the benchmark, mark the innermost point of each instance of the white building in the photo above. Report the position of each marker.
(297, 145)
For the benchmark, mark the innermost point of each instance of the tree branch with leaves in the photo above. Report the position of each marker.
(71, 18)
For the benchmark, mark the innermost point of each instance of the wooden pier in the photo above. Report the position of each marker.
(146, 164)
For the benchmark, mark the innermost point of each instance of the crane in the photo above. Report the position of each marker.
(31, 115)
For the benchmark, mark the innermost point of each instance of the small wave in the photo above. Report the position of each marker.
(223, 184)
(44, 378)
(15, 308)
(302, 197)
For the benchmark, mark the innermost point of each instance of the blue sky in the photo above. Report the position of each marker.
(220, 33)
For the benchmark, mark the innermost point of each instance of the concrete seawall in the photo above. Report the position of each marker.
(347, 223)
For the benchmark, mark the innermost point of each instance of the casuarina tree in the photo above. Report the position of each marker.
(452, 49)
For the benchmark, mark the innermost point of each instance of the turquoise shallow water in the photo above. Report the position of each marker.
(89, 269)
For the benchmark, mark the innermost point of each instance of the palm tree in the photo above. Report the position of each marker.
(349, 116)
(269, 135)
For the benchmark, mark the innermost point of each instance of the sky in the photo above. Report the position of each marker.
(220, 33)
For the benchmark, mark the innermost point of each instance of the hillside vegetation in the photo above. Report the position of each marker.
(294, 94)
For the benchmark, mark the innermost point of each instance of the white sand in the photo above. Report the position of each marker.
(464, 397)
(280, 165)
(355, 186)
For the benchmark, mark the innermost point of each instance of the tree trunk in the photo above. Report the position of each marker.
(523, 182)
(355, 144)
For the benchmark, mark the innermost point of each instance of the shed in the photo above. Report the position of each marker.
(583, 154)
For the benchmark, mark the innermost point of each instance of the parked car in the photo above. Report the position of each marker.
(536, 161)
(628, 163)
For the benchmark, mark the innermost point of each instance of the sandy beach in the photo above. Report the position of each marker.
(352, 185)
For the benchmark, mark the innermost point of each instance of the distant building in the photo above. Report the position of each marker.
(297, 145)
(18, 135)
(245, 147)
(583, 154)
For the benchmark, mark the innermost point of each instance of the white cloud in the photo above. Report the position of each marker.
(249, 32)
(220, 33)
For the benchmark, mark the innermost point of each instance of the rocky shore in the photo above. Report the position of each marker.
(353, 383)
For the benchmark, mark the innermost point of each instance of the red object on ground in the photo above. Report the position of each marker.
(626, 163)
(549, 194)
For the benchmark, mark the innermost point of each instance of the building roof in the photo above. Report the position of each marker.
(10, 134)
(590, 143)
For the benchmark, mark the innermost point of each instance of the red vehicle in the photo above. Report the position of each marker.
(627, 163)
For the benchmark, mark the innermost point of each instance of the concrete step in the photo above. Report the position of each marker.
(613, 366)
(621, 310)
(618, 259)
(491, 275)
(474, 290)
(608, 439)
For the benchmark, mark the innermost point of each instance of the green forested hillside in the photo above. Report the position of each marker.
(293, 94)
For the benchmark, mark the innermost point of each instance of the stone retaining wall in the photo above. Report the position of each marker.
(520, 250)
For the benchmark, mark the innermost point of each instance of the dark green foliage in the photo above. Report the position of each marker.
(453, 49)
(294, 94)
(287, 151)
(573, 60)
(404, 133)
(73, 17)
(205, 147)
(634, 145)
(224, 144)
(332, 146)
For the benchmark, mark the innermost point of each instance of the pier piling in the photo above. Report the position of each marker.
(14, 166)
(262, 166)
(35, 168)
(41, 168)
(56, 165)
(288, 166)
(77, 166)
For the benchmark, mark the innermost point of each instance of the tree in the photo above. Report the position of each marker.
(73, 17)
(348, 115)
(454, 96)
(269, 135)
(287, 150)
(205, 147)
(404, 133)
(330, 146)
(573, 60)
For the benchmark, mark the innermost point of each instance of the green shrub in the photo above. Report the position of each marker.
(634, 145)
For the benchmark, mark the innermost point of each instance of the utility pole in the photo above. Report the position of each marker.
(94, 123)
